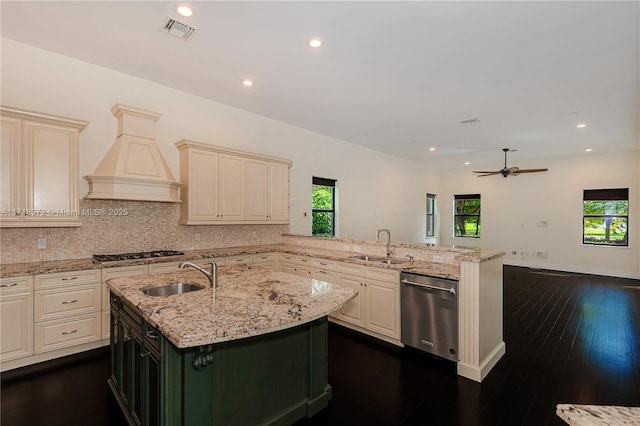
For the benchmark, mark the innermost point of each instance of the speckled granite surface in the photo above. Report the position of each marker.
(600, 415)
(442, 270)
(249, 301)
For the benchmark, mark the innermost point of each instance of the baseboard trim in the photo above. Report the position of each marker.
(478, 373)
(575, 269)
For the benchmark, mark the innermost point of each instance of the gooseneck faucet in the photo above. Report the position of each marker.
(213, 275)
(388, 240)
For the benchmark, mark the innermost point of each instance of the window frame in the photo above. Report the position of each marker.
(430, 231)
(456, 215)
(604, 195)
(318, 181)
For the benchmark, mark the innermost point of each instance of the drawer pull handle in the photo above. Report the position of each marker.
(69, 278)
(68, 302)
(127, 337)
(9, 285)
(322, 263)
(152, 334)
(70, 332)
(147, 353)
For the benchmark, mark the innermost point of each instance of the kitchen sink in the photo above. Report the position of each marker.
(379, 259)
(169, 289)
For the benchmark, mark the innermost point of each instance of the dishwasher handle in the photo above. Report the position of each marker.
(431, 287)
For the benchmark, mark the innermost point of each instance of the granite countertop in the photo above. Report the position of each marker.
(249, 301)
(598, 415)
(441, 270)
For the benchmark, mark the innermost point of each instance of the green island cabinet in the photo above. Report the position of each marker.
(275, 378)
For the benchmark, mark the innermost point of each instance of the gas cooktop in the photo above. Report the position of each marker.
(133, 256)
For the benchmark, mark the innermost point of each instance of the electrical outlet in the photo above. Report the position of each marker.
(541, 254)
(543, 224)
(42, 243)
(197, 237)
(437, 259)
(254, 235)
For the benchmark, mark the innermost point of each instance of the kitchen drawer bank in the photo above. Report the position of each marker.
(254, 351)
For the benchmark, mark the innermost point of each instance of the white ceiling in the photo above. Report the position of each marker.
(394, 76)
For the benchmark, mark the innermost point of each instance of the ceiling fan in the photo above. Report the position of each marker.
(506, 171)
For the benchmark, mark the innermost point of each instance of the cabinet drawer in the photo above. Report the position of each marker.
(264, 257)
(245, 259)
(125, 271)
(16, 284)
(220, 261)
(350, 268)
(50, 304)
(382, 274)
(327, 265)
(157, 268)
(57, 334)
(65, 279)
(288, 258)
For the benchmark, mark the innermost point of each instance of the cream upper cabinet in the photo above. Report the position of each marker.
(278, 190)
(39, 160)
(224, 186)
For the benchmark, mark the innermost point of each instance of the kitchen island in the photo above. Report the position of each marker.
(256, 353)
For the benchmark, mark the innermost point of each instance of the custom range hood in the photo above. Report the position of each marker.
(133, 168)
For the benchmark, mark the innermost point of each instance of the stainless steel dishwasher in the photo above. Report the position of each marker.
(429, 314)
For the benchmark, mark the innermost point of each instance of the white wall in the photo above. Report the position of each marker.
(512, 208)
(375, 190)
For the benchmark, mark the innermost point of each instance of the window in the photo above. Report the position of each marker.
(431, 215)
(466, 218)
(605, 217)
(323, 207)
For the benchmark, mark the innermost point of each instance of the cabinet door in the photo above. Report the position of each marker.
(287, 268)
(278, 192)
(10, 170)
(352, 312)
(382, 314)
(232, 187)
(51, 169)
(256, 189)
(200, 172)
(16, 314)
(322, 275)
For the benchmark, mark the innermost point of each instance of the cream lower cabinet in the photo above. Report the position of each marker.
(39, 166)
(67, 309)
(226, 186)
(309, 267)
(16, 318)
(376, 309)
(124, 271)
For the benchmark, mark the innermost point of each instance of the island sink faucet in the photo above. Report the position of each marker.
(213, 275)
(388, 240)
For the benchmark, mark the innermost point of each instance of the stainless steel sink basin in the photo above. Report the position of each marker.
(169, 289)
(379, 259)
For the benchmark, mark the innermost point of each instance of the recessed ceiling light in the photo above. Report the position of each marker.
(466, 163)
(588, 150)
(432, 149)
(581, 126)
(185, 11)
(315, 43)
(247, 82)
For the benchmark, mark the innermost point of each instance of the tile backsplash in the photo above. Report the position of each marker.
(139, 226)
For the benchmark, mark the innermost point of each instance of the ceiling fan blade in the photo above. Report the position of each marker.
(485, 171)
(488, 174)
(530, 171)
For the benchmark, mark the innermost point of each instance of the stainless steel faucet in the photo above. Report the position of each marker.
(388, 240)
(213, 275)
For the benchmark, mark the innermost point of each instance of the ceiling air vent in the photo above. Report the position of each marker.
(178, 29)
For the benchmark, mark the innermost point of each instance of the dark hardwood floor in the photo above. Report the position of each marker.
(570, 339)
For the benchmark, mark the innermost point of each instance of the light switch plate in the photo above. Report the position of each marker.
(42, 243)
